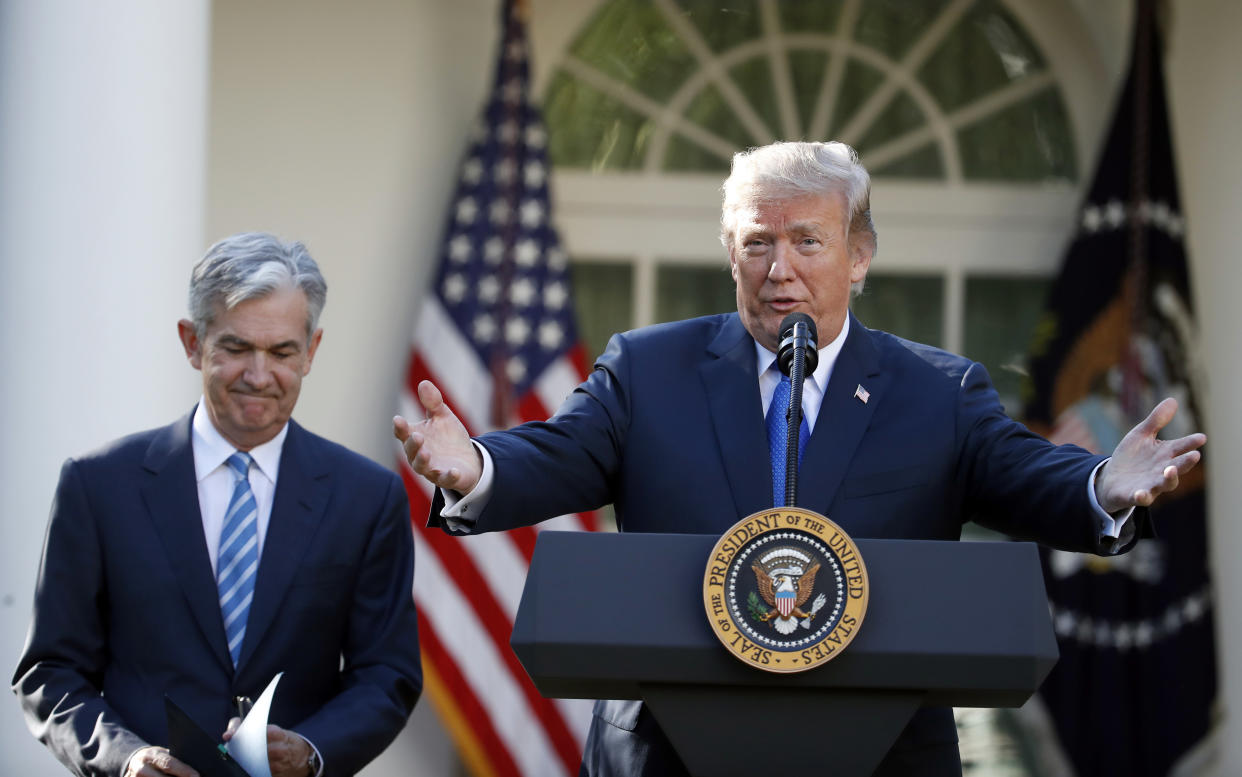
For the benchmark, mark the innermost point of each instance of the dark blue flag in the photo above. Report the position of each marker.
(1134, 690)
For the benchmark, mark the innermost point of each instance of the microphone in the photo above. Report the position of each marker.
(798, 331)
(798, 354)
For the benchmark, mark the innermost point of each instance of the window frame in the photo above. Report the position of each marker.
(953, 228)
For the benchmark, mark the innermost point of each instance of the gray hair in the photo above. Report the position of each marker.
(785, 170)
(249, 266)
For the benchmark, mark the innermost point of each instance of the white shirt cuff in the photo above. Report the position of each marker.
(460, 512)
(318, 758)
(1109, 525)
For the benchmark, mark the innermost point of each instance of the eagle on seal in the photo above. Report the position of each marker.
(784, 598)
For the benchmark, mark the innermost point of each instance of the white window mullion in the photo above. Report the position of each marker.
(644, 290)
(954, 308)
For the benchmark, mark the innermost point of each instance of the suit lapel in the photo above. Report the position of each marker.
(843, 419)
(302, 488)
(730, 381)
(171, 496)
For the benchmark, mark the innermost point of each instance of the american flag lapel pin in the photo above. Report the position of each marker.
(862, 393)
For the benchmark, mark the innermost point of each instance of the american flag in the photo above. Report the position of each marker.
(496, 333)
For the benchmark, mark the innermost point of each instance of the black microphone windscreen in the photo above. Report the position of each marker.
(787, 325)
(784, 354)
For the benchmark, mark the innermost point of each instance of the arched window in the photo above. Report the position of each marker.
(949, 90)
(959, 108)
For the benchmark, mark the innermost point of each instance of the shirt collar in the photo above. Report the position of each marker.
(211, 450)
(827, 358)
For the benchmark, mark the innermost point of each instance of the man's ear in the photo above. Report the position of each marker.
(311, 348)
(189, 340)
(862, 247)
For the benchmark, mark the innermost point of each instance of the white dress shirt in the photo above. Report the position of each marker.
(216, 478)
(815, 383)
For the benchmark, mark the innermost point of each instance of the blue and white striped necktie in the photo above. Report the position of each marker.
(239, 555)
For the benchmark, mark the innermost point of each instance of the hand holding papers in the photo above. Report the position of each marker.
(244, 756)
(249, 743)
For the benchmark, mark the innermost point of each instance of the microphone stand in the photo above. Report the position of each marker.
(793, 416)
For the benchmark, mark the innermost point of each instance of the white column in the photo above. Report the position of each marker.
(102, 126)
(1203, 60)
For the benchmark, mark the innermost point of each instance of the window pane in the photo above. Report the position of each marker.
(986, 51)
(1029, 141)
(893, 26)
(724, 25)
(1001, 314)
(859, 81)
(588, 129)
(901, 116)
(602, 298)
(631, 42)
(821, 16)
(909, 306)
(686, 292)
(712, 112)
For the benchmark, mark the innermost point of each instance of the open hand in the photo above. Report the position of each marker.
(1142, 466)
(438, 447)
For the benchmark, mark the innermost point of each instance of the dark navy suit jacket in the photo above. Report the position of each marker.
(669, 427)
(126, 607)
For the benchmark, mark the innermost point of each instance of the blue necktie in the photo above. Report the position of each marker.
(239, 555)
(778, 431)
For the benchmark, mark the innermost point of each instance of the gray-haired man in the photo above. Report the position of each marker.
(199, 559)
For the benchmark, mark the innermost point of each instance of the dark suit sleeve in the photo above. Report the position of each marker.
(60, 674)
(381, 675)
(1020, 484)
(565, 464)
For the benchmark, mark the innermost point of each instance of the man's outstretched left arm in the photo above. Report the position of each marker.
(1143, 466)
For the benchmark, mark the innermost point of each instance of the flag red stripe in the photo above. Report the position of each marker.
(461, 567)
(531, 409)
(477, 711)
(496, 622)
(577, 357)
(463, 696)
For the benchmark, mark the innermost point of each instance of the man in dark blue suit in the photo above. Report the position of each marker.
(905, 440)
(200, 559)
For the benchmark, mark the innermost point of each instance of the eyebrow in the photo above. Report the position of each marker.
(806, 226)
(798, 227)
(235, 340)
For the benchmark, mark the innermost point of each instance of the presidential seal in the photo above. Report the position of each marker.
(785, 589)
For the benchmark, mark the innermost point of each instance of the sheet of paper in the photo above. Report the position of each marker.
(249, 745)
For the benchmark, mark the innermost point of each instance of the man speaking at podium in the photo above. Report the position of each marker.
(200, 559)
(902, 440)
